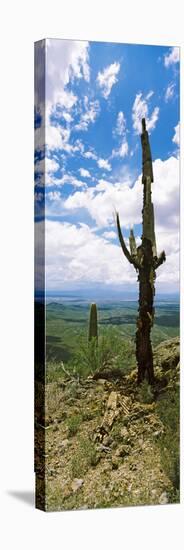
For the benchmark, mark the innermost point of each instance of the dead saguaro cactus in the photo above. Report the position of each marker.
(145, 260)
(93, 323)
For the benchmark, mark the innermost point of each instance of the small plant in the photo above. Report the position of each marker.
(85, 456)
(145, 393)
(73, 424)
(111, 351)
(168, 409)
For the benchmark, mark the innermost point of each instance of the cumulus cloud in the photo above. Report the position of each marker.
(69, 179)
(122, 151)
(102, 200)
(141, 110)
(104, 163)
(107, 78)
(176, 137)
(172, 57)
(76, 254)
(169, 92)
(84, 173)
(110, 235)
(120, 124)
(45, 170)
(120, 132)
(90, 155)
(91, 111)
(65, 60)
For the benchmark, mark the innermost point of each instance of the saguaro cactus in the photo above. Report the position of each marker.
(145, 260)
(93, 323)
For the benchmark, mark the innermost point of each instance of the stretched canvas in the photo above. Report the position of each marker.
(106, 274)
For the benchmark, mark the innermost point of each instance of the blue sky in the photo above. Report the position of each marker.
(89, 163)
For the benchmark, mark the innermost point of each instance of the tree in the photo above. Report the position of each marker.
(145, 260)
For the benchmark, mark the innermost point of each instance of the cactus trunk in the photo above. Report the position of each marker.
(145, 261)
(93, 323)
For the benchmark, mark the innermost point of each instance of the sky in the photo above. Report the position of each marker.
(90, 98)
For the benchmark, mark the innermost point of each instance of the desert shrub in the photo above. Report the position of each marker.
(84, 457)
(53, 372)
(110, 350)
(168, 410)
(145, 393)
(74, 422)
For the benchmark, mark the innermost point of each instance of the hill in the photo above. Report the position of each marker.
(111, 443)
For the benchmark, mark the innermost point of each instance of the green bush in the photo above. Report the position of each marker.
(168, 410)
(145, 393)
(85, 456)
(73, 424)
(111, 350)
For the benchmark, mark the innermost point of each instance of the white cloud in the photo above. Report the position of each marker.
(104, 163)
(122, 151)
(109, 235)
(120, 124)
(45, 170)
(54, 196)
(91, 111)
(169, 92)
(140, 110)
(65, 60)
(172, 57)
(67, 116)
(90, 155)
(102, 200)
(120, 131)
(176, 137)
(84, 173)
(77, 254)
(47, 164)
(107, 78)
(70, 180)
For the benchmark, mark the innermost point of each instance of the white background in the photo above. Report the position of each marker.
(158, 22)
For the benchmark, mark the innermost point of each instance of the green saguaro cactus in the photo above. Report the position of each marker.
(93, 323)
(145, 260)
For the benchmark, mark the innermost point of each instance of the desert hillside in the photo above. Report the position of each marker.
(110, 442)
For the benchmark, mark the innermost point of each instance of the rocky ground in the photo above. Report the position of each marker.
(102, 439)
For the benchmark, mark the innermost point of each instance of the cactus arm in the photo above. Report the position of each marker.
(132, 242)
(123, 245)
(160, 260)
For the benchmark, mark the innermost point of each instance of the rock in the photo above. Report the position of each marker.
(115, 462)
(163, 498)
(123, 450)
(166, 354)
(112, 401)
(95, 459)
(114, 444)
(76, 484)
(125, 435)
(107, 440)
(55, 427)
(157, 433)
(124, 432)
(111, 412)
(64, 444)
(106, 467)
(103, 448)
(101, 382)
